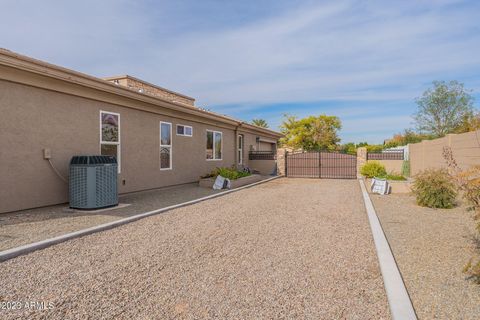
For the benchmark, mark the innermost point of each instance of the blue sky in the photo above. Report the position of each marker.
(364, 61)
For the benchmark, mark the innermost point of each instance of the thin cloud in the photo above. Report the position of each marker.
(251, 59)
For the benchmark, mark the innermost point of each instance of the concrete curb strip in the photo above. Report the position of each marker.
(28, 248)
(401, 307)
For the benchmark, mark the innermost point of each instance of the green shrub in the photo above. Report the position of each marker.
(229, 173)
(232, 174)
(373, 169)
(434, 188)
(406, 168)
(395, 177)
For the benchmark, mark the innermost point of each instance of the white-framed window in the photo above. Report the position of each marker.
(183, 130)
(240, 148)
(214, 145)
(110, 135)
(165, 145)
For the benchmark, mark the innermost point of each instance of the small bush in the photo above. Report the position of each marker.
(373, 169)
(434, 188)
(473, 269)
(229, 173)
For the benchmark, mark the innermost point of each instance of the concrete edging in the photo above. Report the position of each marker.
(401, 307)
(28, 248)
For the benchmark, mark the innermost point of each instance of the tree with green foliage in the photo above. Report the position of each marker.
(260, 123)
(311, 133)
(443, 108)
(408, 136)
(470, 122)
(375, 147)
(349, 147)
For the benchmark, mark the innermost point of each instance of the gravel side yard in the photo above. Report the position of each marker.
(27, 226)
(431, 247)
(289, 248)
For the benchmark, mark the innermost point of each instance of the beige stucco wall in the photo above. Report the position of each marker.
(392, 166)
(265, 146)
(265, 167)
(428, 154)
(32, 119)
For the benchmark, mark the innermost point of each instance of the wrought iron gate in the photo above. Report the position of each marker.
(321, 164)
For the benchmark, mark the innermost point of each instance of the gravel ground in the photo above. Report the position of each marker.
(289, 248)
(431, 247)
(27, 226)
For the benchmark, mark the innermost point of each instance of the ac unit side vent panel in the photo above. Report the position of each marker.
(93, 182)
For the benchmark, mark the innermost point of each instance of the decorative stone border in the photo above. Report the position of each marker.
(401, 307)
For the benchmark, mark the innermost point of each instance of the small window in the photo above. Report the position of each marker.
(209, 144)
(240, 149)
(165, 146)
(184, 130)
(110, 135)
(214, 145)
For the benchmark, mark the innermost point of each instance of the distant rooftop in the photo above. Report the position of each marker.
(149, 88)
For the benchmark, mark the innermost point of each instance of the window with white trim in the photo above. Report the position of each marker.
(165, 145)
(110, 135)
(240, 148)
(214, 145)
(183, 130)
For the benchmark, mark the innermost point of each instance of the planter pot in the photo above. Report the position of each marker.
(395, 186)
(208, 182)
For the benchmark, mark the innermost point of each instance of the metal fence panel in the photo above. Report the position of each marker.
(321, 164)
(390, 155)
(262, 155)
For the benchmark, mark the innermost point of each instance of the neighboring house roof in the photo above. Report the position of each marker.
(38, 67)
(147, 85)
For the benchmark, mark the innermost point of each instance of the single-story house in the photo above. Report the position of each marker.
(160, 138)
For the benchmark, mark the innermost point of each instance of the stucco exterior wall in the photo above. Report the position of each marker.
(428, 153)
(392, 166)
(265, 146)
(32, 119)
(265, 167)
